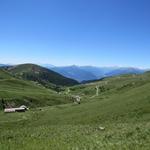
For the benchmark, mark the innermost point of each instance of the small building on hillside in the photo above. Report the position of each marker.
(19, 109)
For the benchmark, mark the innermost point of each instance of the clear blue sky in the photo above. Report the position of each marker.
(82, 32)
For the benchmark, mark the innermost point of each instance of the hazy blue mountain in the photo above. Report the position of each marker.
(99, 72)
(85, 73)
(75, 72)
(1, 65)
(5, 65)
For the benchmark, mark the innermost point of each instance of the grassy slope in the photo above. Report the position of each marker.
(18, 92)
(110, 86)
(122, 108)
(5, 75)
(42, 75)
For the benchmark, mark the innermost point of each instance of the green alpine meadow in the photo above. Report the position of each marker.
(117, 117)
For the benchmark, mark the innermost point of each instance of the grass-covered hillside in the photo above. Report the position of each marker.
(116, 118)
(112, 85)
(41, 75)
(17, 92)
(5, 75)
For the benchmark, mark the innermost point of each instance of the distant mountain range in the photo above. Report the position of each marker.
(78, 73)
(85, 73)
(5, 65)
(2, 65)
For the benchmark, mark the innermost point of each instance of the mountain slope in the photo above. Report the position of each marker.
(111, 85)
(4, 74)
(41, 75)
(121, 99)
(16, 92)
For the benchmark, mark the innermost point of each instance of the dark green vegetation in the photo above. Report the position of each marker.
(41, 75)
(122, 107)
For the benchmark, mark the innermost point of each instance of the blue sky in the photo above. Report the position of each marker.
(81, 32)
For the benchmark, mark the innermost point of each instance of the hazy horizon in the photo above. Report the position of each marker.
(52, 65)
